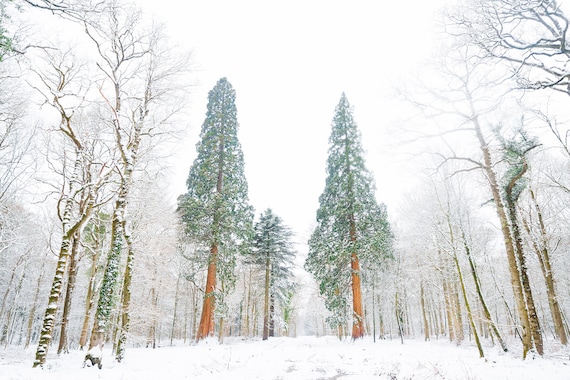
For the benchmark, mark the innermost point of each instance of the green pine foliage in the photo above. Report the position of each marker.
(347, 203)
(515, 150)
(5, 40)
(216, 210)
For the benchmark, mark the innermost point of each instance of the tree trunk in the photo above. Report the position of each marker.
(33, 310)
(457, 316)
(517, 239)
(206, 327)
(542, 252)
(358, 314)
(486, 312)
(266, 298)
(424, 313)
(448, 310)
(207, 323)
(175, 311)
(89, 302)
(8, 330)
(373, 309)
(247, 304)
(399, 317)
(469, 314)
(64, 251)
(125, 298)
(109, 282)
(507, 239)
(72, 276)
(272, 316)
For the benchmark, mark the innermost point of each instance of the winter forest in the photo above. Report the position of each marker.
(99, 260)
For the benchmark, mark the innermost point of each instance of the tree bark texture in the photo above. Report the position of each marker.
(266, 297)
(543, 255)
(468, 307)
(206, 327)
(64, 251)
(110, 277)
(424, 312)
(71, 280)
(507, 238)
(357, 311)
(272, 315)
(486, 312)
(529, 299)
(517, 240)
(358, 314)
(125, 299)
(89, 302)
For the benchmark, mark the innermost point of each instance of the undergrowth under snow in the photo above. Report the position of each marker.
(296, 358)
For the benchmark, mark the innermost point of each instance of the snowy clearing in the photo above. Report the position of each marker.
(295, 358)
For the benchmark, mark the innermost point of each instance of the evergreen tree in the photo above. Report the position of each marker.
(352, 230)
(5, 40)
(215, 209)
(274, 252)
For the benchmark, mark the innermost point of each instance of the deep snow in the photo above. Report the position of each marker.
(295, 358)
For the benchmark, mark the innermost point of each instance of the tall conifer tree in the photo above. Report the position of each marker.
(216, 209)
(353, 230)
(274, 253)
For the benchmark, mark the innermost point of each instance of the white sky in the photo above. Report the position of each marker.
(289, 62)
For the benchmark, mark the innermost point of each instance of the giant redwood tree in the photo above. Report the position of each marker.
(215, 210)
(353, 232)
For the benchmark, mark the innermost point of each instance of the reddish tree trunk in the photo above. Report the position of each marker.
(206, 327)
(357, 312)
(358, 315)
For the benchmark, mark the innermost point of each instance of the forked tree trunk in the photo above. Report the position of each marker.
(64, 251)
(111, 274)
(507, 238)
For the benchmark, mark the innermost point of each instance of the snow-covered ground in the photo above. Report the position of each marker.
(296, 358)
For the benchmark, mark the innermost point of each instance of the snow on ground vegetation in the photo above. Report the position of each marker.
(296, 358)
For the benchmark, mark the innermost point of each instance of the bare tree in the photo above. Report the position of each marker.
(138, 79)
(472, 97)
(532, 36)
(64, 91)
